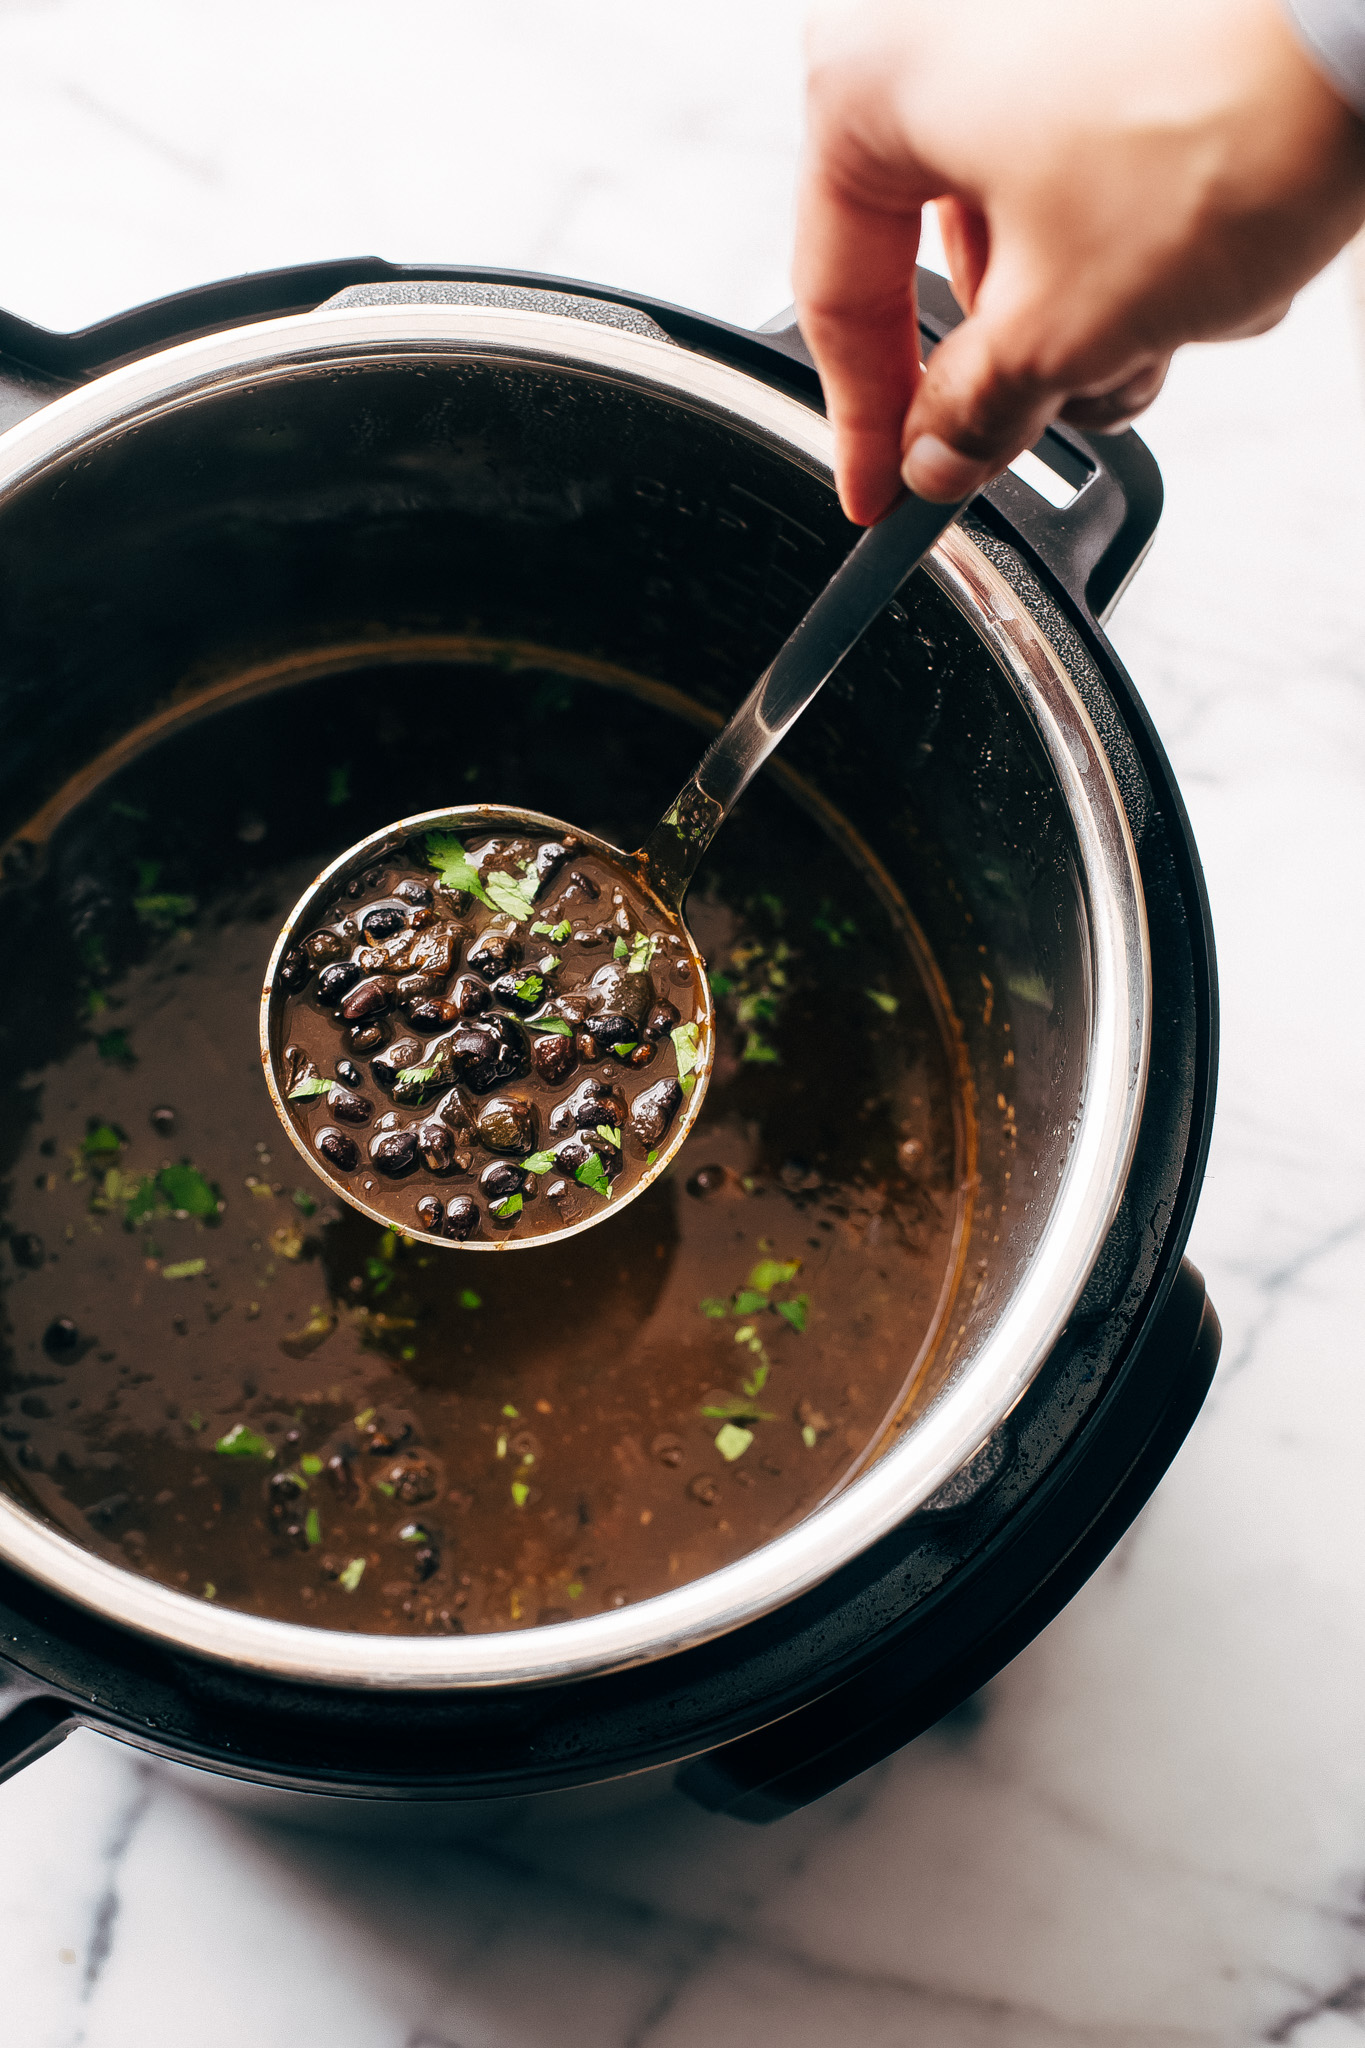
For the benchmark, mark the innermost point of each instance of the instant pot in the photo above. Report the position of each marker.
(293, 475)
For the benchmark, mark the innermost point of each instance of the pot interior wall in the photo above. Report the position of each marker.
(435, 496)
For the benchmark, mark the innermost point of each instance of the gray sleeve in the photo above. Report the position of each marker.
(1333, 32)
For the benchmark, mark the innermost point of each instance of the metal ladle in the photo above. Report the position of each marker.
(866, 580)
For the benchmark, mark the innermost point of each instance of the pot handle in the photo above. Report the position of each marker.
(1021, 1585)
(1087, 506)
(31, 1721)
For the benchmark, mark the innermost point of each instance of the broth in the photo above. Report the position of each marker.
(219, 1376)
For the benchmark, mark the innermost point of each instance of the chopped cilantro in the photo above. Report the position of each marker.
(758, 1379)
(838, 930)
(446, 853)
(304, 1202)
(794, 1311)
(515, 899)
(592, 1174)
(736, 1408)
(748, 1302)
(770, 1273)
(641, 952)
(413, 1532)
(685, 1040)
(101, 1141)
(758, 1051)
(549, 963)
(195, 1421)
(539, 1162)
(163, 911)
(558, 933)
(114, 1047)
(310, 1464)
(625, 1047)
(612, 1134)
(318, 1085)
(510, 1411)
(721, 984)
(385, 1487)
(187, 1191)
(507, 1208)
(650, 1157)
(732, 1441)
(467, 1298)
(528, 987)
(350, 1578)
(312, 1528)
(210, 1590)
(745, 1334)
(885, 1003)
(521, 1492)
(809, 1436)
(419, 1077)
(620, 950)
(555, 1024)
(241, 1442)
(365, 1415)
(185, 1269)
(712, 1307)
(574, 1589)
(339, 785)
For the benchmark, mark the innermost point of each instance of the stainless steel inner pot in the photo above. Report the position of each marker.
(257, 505)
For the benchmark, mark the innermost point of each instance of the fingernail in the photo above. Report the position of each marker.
(937, 472)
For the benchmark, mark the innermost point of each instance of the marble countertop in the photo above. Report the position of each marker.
(1150, 1829)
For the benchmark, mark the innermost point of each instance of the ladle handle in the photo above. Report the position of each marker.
(867, 579)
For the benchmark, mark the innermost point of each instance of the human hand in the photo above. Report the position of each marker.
(1111, 181)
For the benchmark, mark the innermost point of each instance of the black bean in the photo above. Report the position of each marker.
(707, 1180)
(425, 1562)
(462, 1216)
(365, 1037)
(382, 921)
(505, 991)
(368, 999)
(414, 1477)
(653, 1110)
(349, 1072)
(493, 952)
(578, 880)
(27, 1249)
(394, 1152)
(61, 1339)
(350, 1107)
(336, 1148)
(645, 1053)
(507, 1123)
(432, 1013)
(592, 1102)
(334, 981)
(488, 1053)
(549, 856)
(283, 1489)
(436, 1141)
(501, 1178)
(412, 892)
(430, 1214)
(323, 946)
(660, 1020)
(293, 972)
(576, 1151)
(553, 1055)
(623, 993)
(471, 996)
(412, 987)
(404, 1052)
(452, 1112)
(602, 1035)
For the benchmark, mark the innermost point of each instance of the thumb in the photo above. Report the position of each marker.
(985, 395)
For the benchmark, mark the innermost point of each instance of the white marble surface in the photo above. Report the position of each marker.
(1155, 1833)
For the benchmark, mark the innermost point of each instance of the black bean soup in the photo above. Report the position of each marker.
(220, 1376)
(488, 1038)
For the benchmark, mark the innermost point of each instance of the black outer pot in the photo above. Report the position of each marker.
(773, 1714)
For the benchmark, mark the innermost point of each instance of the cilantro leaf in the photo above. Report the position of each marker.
(312, 1528)
(714, 1308)
(732, 1441)
(350, 1578)
(446, 853)
(515, 899)
(770, 1273)
(528, 987)
(641, 952)
(885, 1003)
(650, 1157)
(521, 1492)
(592, 1174)
(624, 1047)
(620, 950)
(508, 1207)
(114, 1047)
(735, 1408)
(748, 1302)
(721, 984)
(539, 1162)
(758, 1051)
(241, 1442)
(310, 1464)
(469, 1299)
(555, 1024)
(186, 1269)
(186, 1189)
(794, 1311)
(612, 1134)
(558, 933)
(419, 1077)
(413, 1532)
(685, 1038)
(101, 1142)
(318, 1085)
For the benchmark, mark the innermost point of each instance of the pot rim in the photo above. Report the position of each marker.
(987, 1383)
